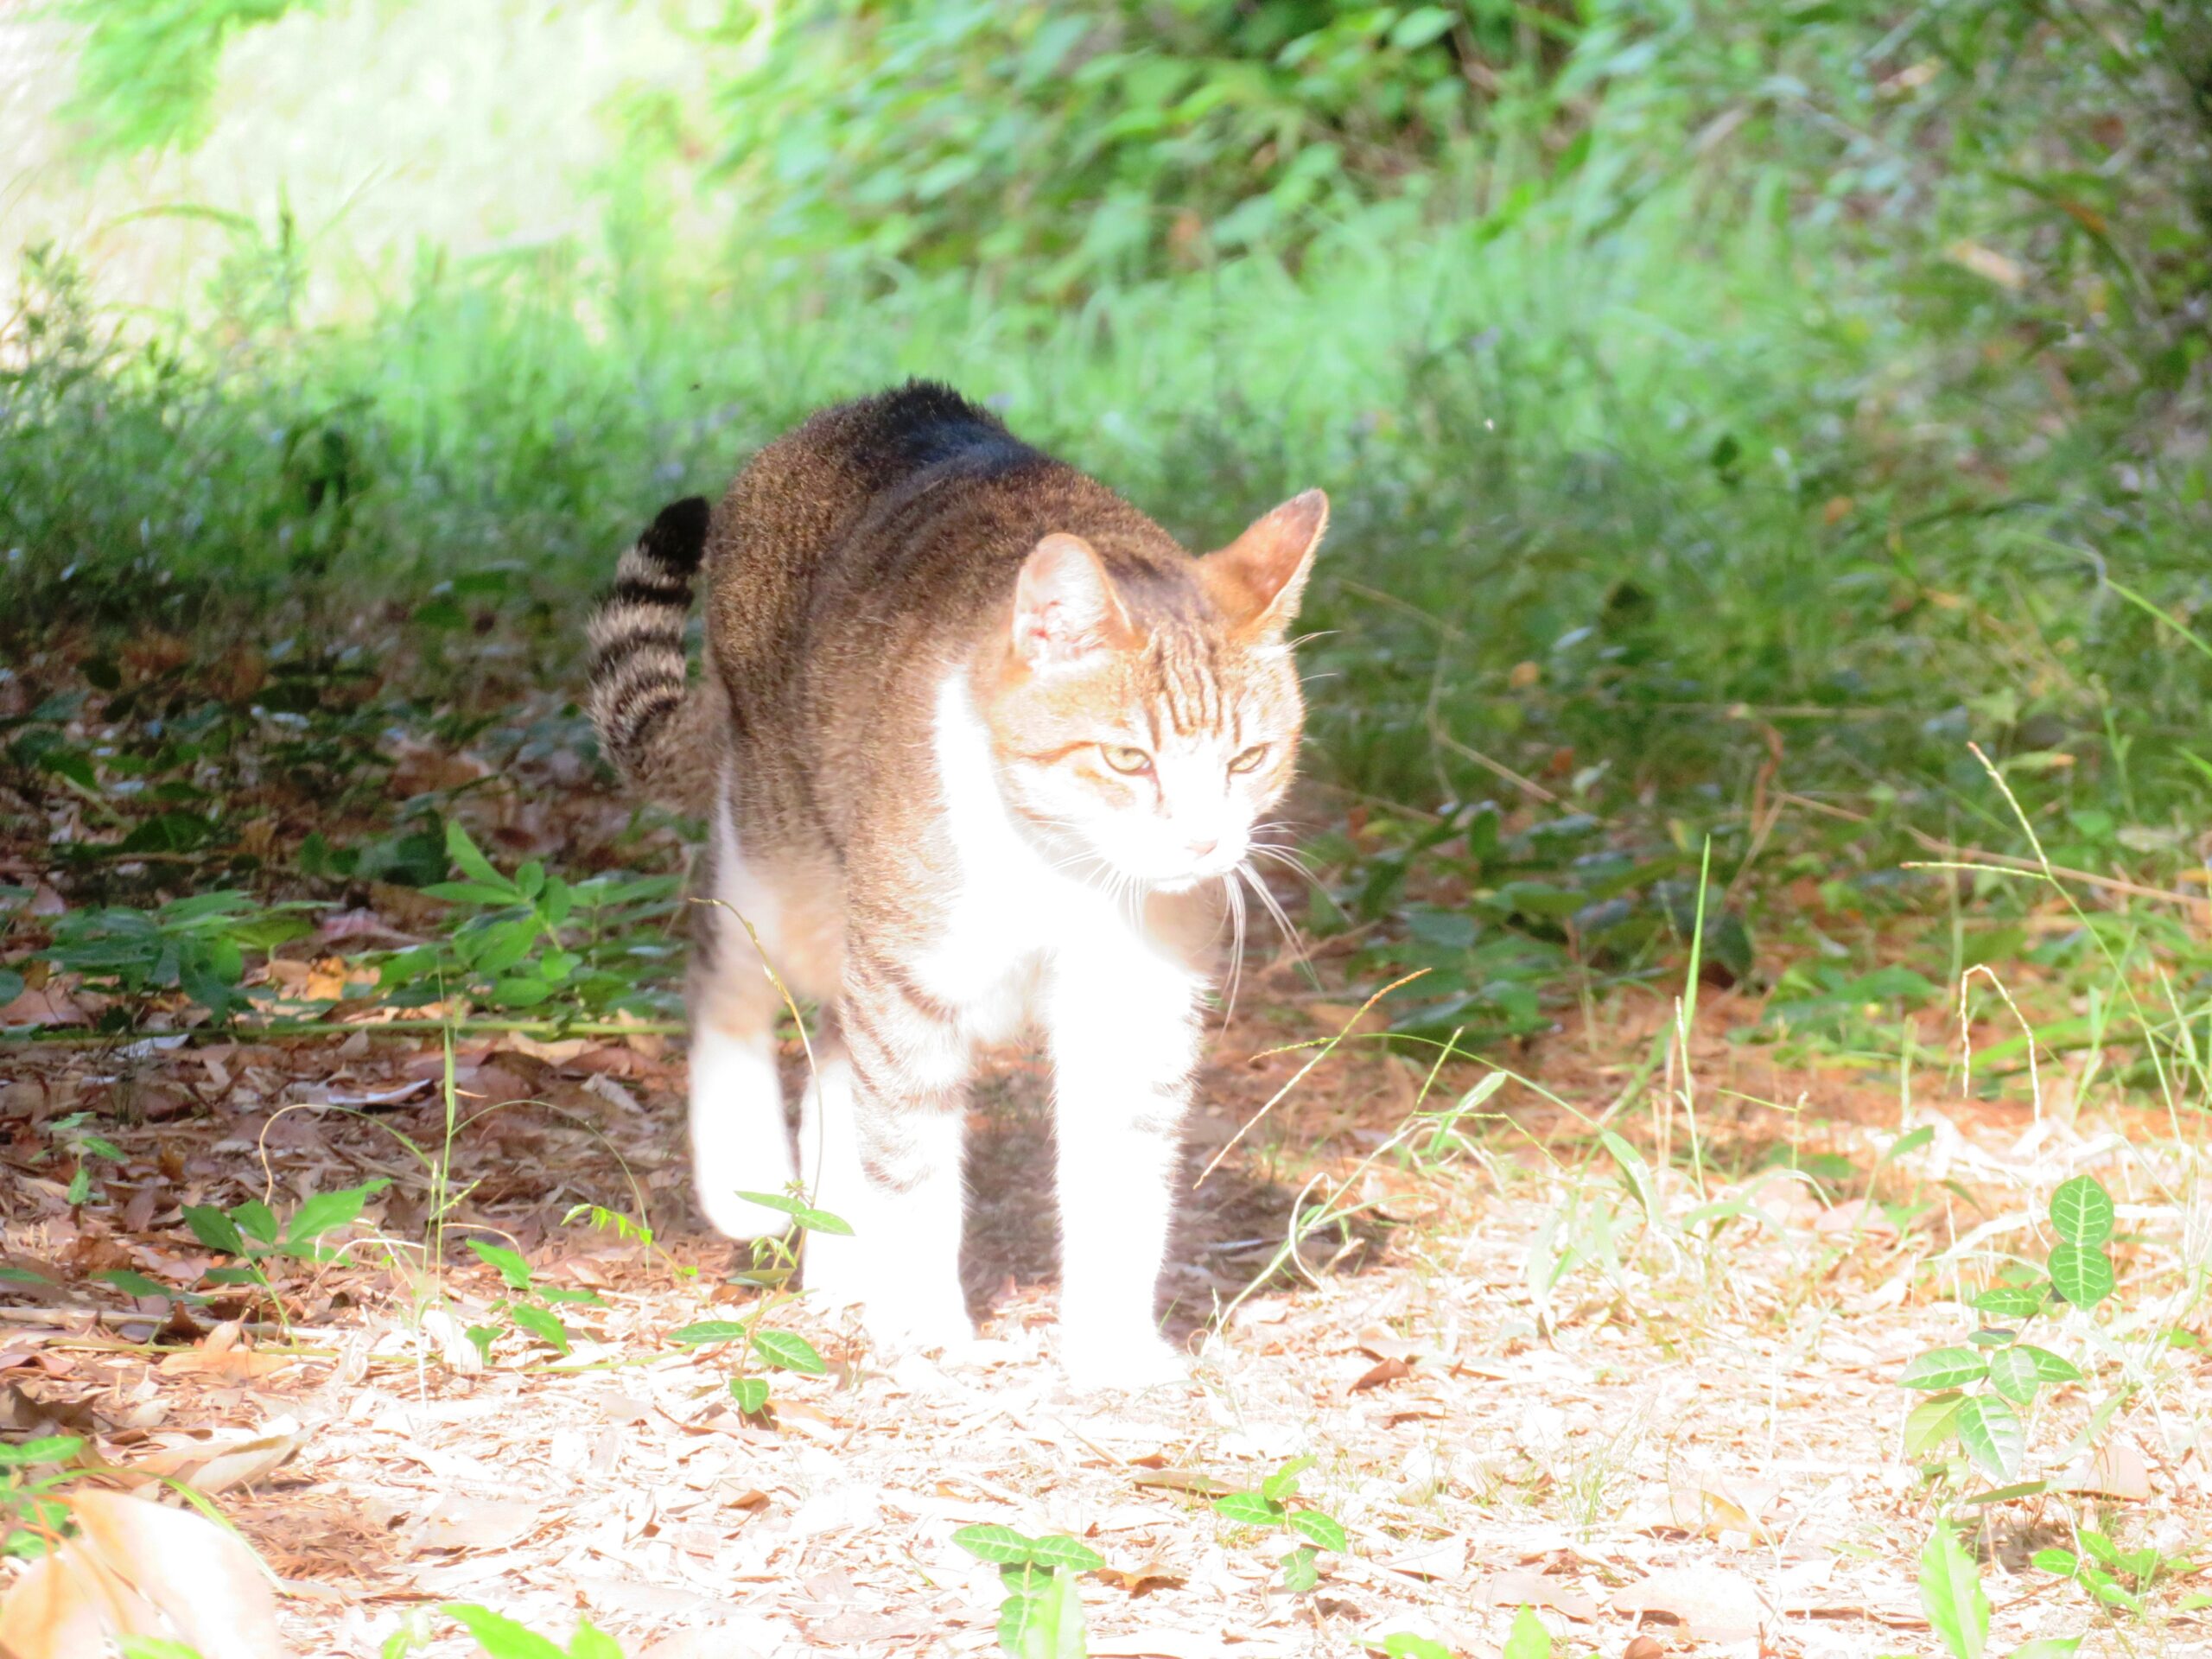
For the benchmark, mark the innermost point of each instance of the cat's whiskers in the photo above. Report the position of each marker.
(1234, 891)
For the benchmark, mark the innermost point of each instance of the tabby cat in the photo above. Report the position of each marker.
(978, 742)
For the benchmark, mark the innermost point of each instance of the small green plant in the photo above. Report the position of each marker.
(1270, 1506)
(1977, 1391)
(1405, 1644)
(774, 1263)
(2118, 1578)
(526, 940)
(602, 1219)
(1527, 1639)
(197, 945)
(1042, 1615)
(1951, 1595)
(528, 1306)
(251, 1233)
(34, 1521)
(72, 1136)
(501, 1637)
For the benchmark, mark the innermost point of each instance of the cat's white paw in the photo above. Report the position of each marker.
(902, 1310)
(739, 1142)
(1123, 1362)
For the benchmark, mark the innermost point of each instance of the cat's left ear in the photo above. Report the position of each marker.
(1257, 578)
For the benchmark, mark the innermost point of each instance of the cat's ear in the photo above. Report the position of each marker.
(1064, 605)
(1257, 578)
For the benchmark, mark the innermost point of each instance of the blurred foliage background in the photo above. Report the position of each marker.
(1723, 402)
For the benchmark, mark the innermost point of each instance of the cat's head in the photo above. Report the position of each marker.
(1148, 711)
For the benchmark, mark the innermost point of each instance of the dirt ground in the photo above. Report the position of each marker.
(1693, 1449)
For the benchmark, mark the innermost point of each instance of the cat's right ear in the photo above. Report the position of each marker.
(1064, 605)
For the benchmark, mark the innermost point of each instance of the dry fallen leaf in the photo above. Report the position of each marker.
(218, 1466)
(1519, 1588)
(1158, 1644)
(1715, 1605)
(2117, 1470)
(1444, 1559)
(1143, 1577)
(475, 1524)
(139, 1568)
(1387, 1370)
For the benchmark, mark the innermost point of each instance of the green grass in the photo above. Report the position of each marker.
(1687, 494)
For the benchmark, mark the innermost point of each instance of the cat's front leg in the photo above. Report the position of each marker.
(881, 1138)
(1123, 1026)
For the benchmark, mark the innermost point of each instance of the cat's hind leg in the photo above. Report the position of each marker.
(739, 1139)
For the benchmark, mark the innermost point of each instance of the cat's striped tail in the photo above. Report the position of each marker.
(639, 701)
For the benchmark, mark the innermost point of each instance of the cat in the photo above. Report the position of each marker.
(978, 744)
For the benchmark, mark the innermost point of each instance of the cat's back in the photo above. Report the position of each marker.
(819, 520)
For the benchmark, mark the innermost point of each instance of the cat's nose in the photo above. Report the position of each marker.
(1205, 848)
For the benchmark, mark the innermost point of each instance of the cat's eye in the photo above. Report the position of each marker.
(1250, 759)
(1123, 758)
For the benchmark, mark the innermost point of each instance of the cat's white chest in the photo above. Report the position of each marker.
(1012, 915)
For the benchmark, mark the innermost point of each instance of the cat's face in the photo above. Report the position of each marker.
(1153, 728)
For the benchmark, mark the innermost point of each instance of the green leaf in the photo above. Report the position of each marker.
(1066, 1555)
(2082, 1273)
(158, 1647)
(543, 1325)
(1943, 1368)
(1046, 1623)
(512, 1268)
(256, 1220)
(1281, 1483)
(995, 1543)
(1251, 1509)
(563, 1295)
(2081, 1211)
(499, 1637)
(1991, 1435)
(2050, 1367)
(483, 1336)
(519, 991)
(750, 1394)
(705, 1332)
(1634, 1172)
(788, 1352)
(2007, 1494)
(1404, 1644)
(473, 865)
(50, 1448)
(1299, 1575)
(138, 1284)
(815, 1221)
(2095, 1543)
(80, 1187)
(328, 1212)
(589, 1642)
(2061, 1562)
(1323, 1530)
(1527, 1639)
(1950, 1594)
(2011, 1301)
(2013, 1375)
(213, 1228)
(1931, 1423)
(469, 893)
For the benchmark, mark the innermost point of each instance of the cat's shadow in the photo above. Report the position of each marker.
(1229, 1229)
